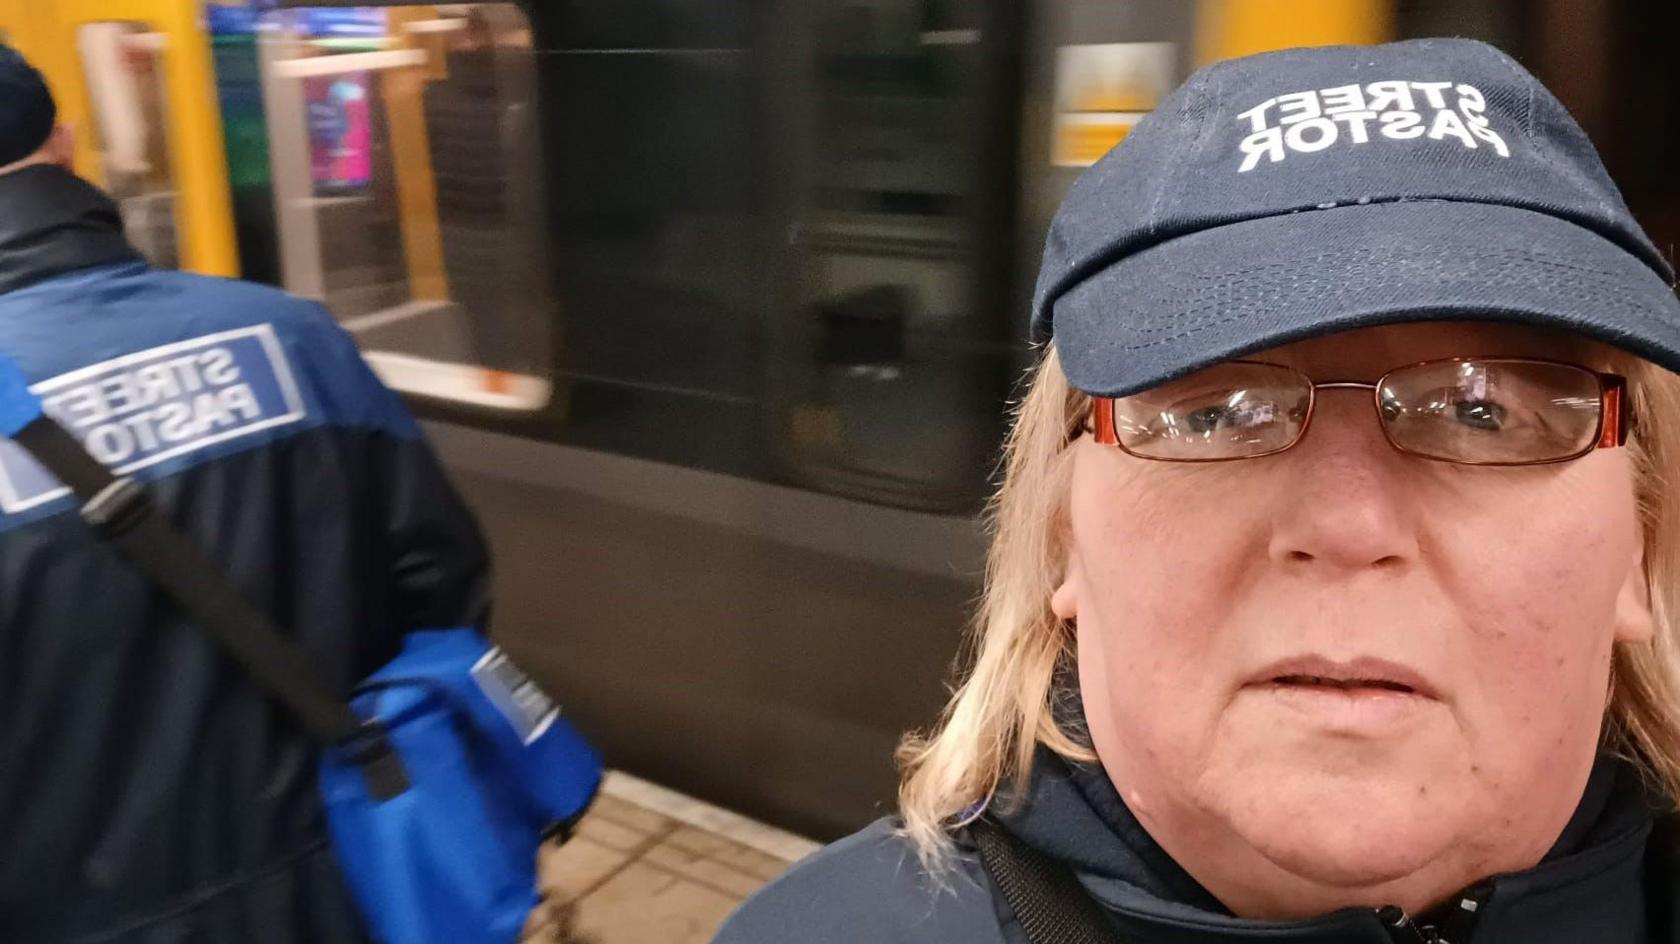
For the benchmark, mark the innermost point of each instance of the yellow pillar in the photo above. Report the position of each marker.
(204, 212)
(411, 153)
(1226, 29)
(15, 28)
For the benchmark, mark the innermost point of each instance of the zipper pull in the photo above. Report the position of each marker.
(1404, 930)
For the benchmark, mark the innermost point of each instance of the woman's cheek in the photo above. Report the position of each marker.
(1538, 654)
(1537, 581)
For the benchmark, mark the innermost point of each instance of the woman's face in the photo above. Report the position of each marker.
(1340, 675)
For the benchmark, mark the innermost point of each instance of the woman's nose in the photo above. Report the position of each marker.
(1349, 504)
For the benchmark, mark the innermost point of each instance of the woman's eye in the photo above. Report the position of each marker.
(1469, 409)
(1209, 418)
(1480, 414)
(1242, 414)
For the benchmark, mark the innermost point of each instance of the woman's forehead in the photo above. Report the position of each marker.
(1367, 352)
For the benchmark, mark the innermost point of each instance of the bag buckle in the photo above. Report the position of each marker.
(117, 509)
(369, 748)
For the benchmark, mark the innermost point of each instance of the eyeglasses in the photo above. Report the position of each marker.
(1474, 411)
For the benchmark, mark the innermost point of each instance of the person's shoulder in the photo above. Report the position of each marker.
(253, 298)
(168, 302)
(869, 887)
(299, 339)
(167, 295)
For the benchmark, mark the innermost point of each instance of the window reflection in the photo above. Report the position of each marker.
(897, 401)
(405, 145)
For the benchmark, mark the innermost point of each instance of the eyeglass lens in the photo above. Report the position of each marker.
(1495, 411)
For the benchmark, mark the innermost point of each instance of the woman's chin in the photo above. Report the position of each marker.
(1364, 838)
(1344, 862)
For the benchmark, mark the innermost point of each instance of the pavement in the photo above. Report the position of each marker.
(651, 866)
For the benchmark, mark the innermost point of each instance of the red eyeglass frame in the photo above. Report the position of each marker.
(1614, 415)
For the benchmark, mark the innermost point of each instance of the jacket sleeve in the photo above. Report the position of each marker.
(438, 565)
(868, 889)
(433, 557)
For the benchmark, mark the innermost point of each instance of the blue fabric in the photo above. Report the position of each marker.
(491, 768)
(870, 886)
(148, 789)
(18, 406)
(1297, 193)
(149, 346)
(117, 310)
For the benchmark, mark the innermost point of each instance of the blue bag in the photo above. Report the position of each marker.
(443, 773)
(492, 769)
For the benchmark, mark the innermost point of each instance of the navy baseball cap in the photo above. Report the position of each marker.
(1300, 193)
(27, 112)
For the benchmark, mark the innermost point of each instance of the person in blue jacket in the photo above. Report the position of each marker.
(148, 791)
(1334, 594)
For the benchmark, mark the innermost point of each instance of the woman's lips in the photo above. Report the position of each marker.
(1353, 673)
(1355, 696)
(1318, 680)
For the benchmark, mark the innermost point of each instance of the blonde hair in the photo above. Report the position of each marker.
(1002, 710)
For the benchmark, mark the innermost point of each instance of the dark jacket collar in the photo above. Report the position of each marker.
(1589, 888)
(51, 222)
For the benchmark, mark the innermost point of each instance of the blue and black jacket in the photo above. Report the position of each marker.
(1611, 878)
(148, 791)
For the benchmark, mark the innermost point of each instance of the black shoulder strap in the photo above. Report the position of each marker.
(1044, 895)
(122, 514)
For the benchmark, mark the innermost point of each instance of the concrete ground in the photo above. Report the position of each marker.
(650, 866)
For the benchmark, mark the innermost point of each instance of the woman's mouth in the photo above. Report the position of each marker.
(1344, 683)
(1359, 697)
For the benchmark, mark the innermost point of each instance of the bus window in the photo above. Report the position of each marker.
(661, 168)
(123, 65)
(895, 318)
(404, 151)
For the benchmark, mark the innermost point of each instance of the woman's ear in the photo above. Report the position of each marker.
(1065, 601)
(1634, 622)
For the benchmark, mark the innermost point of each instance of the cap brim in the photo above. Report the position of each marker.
(1230, 290)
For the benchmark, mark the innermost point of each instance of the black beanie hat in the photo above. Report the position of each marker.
(27, 112)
